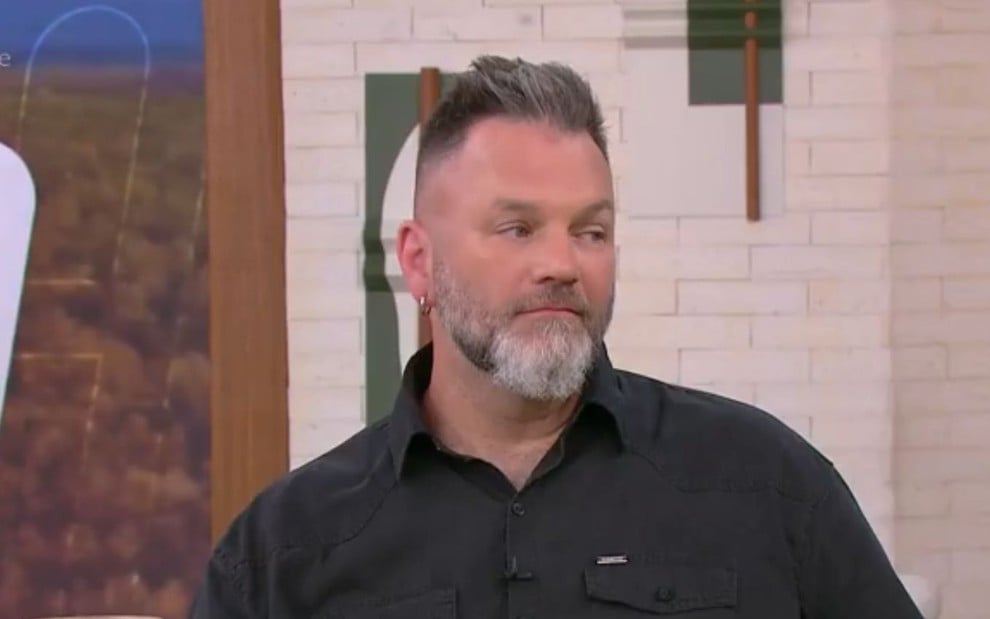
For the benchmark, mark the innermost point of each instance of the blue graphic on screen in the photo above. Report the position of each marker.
(173, 29)
(144, 34)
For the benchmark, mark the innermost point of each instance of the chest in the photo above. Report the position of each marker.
(597, 549)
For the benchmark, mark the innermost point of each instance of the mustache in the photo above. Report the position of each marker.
(564, 298)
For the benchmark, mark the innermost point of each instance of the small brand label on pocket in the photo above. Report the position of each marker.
(611, 559)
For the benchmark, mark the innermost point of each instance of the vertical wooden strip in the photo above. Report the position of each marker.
(246, 212)
(752, 96)
(429, 94)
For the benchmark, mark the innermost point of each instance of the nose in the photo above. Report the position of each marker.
(556, 260)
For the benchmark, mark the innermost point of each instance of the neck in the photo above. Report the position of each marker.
(475, 417)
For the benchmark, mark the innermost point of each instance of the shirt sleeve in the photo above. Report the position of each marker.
(845, 571)
(219, 595)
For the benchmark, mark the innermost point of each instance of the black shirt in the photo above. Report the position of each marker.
(657, 500)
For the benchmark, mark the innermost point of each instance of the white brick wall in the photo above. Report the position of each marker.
(858, 315)
(474, 24)
(593, 21)
(940, 259)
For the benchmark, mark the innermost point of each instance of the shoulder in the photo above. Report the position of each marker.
(321, 503)
(704, 440)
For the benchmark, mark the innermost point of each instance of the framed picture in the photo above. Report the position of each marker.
(142, 321)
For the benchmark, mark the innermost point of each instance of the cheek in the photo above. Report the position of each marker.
(500, 280)
(598, 279)
(492, 290)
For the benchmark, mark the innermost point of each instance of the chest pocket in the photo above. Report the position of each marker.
(433, 604)
(665, 588)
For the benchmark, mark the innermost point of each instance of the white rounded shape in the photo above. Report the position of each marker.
(16, 220)
(397, 205)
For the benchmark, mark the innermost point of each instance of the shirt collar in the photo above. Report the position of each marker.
(602, 389)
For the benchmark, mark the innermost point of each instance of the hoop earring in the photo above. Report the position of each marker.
(424, 306)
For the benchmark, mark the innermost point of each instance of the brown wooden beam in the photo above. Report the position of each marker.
(752, 96)
(245, 204)
(429, 94)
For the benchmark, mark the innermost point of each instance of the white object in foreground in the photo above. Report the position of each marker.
(17, 203)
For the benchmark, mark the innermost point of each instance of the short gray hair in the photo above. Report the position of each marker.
(495, 86)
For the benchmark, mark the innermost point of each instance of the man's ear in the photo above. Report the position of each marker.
(413, 250)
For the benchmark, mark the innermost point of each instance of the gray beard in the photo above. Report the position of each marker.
(551, 361)
(552, 366)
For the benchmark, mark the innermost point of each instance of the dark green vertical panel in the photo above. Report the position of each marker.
(716, 76)
(716, 34)
(391, 113)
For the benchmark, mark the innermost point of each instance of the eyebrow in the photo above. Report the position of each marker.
(525, 207)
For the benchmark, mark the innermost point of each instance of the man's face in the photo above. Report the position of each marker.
(524, 272)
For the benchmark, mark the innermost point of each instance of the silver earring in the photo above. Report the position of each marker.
(424, 306)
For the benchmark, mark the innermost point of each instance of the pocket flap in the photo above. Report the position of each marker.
(440, 603)
(662, 588)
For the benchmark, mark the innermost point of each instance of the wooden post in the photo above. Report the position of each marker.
(752, 95)
(429, 94)
(245, 203)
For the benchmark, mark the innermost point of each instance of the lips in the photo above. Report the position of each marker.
(558, 310)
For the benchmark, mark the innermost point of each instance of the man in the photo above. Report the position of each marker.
(520, 475)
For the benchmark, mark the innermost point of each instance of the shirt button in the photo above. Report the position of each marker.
(519, 510)
(665, 594)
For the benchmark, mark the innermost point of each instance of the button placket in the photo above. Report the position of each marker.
(519, 570)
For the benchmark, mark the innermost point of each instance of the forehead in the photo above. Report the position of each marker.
(527, 160)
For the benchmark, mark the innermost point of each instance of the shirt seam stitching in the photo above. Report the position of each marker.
(324, 543)
(233, 573)
(805, 541)
(754, 487)
(340, 539)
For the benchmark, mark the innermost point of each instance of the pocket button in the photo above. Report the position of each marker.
(666, 594)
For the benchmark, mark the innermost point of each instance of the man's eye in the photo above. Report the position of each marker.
(516, 230)
(595, 235)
